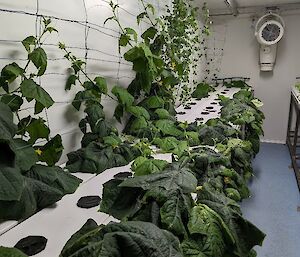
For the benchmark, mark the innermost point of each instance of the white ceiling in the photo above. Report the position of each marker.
(220, 4)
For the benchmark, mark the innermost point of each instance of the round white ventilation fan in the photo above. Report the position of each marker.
(269, 31)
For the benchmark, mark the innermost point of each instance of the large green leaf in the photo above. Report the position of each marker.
(131, 32)
(192, 248)
(138, 124)
(174, 211)
(139, 111)
(167, 144)
(39, 58)
(28, 42)
(217, 236)
(11, 184)
(124, 40)
(144, 166)
(38, 108)
(245, 234)
(134, 239)
(112, 140)
(181, 148)
(7, 127)
(11, 71)
(25, 156)
(13, 151)
(147, 67)
(172, 178)
(236, 84)
(172, 145)
(124, 98)
(149, 34)
(13, 101)
(37, 129)
(35, 195)
(242, 111)
(192, 137)
(31, 90)
(89, 226)
(84, 96)
(142, 57)
(128, 35)
(202, 91)
(92, 159)
(163, 114)
(135, 204)
(96, 158)
(11, 252)
(54, 177)
(101, 84)
(206, 159)
(120, 202)
(216, 131)
(239, 151)
(168, 127)
(42, 187)
(51, 152)
(153, 102)
(96, 119)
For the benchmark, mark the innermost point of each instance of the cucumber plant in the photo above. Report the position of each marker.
(21, 86)
(101, 145)
(29, 179)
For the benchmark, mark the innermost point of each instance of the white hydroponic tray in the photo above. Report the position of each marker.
(59, 222)
(200, 110)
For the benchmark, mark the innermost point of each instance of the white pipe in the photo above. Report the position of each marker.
(254, 9)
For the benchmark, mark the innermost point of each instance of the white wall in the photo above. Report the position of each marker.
(103, 54)
(241, 56)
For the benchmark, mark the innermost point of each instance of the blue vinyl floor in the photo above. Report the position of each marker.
(275, 203)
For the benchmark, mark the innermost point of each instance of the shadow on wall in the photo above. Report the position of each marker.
(71, 115)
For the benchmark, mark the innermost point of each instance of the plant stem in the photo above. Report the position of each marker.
(116, 19)
(147, 15)
(73, 60)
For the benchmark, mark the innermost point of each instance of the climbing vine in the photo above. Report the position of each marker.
(171, 48)
(26, 183)
(21, 87)
(101, 145)
(181, 51)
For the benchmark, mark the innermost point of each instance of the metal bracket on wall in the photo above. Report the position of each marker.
(233, 6)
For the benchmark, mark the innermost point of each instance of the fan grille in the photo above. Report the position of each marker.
(271, 32)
